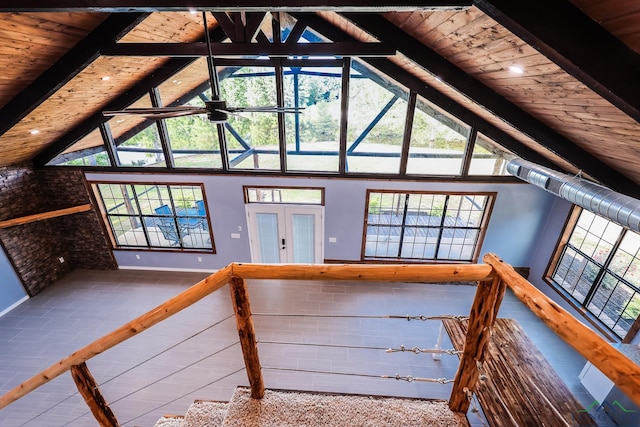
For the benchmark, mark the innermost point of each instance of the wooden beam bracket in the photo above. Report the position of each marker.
(45, 215)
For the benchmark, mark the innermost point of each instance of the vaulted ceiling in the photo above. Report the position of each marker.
(575, 106)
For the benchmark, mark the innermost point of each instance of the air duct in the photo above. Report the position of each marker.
(619, 208)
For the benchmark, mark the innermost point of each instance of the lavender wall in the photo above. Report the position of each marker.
(519, 215)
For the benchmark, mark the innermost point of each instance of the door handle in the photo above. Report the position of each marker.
(283, 246)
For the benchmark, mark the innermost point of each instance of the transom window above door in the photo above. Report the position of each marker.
(284, 195)
(425, 226)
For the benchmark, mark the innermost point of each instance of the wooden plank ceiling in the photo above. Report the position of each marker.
(544, 108)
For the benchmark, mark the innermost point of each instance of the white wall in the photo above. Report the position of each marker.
(519, 215)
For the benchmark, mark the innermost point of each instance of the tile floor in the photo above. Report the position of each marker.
(342, 319)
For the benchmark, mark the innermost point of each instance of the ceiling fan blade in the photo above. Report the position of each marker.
(159, 112)
(264, 109)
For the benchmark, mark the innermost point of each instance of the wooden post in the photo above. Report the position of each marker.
(242, 308)
(89, 390)
(483, 313)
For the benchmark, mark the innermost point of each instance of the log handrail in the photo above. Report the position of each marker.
(611, 362)
(429, 273)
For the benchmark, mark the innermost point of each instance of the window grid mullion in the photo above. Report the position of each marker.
(436, 253)
(403, 225)
(142, 223)
(604, 269)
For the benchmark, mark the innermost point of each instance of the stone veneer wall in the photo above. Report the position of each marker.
(35, 248)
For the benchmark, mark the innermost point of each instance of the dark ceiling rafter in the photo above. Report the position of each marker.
(492, 101)
(71, 64)
(583, 49)
(413, 83)
(230, 5)
(240, 27)
(183, 50)
(138, 90)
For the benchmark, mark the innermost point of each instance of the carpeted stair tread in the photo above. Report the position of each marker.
(207, 413)
(170, 421)
(296, 409)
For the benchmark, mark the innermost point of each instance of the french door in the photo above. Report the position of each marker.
(286, 233)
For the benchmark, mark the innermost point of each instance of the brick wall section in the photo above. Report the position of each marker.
(34, 248)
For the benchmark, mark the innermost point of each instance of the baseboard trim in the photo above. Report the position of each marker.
(14, 305)
(186, 270)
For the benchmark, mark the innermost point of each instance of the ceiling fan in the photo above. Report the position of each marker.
(216, 109)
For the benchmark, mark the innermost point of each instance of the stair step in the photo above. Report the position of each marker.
(170, 421)
(299, 409)
(207, 413)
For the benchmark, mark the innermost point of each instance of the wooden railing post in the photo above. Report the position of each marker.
(242, 308)
(89, 390)
(484, 311)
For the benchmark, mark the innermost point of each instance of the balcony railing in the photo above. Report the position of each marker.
(493, 278)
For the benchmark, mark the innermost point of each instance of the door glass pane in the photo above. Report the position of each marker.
(267, 224)
(303, 238)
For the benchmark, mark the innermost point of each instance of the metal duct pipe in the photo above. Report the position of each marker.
(619, 208)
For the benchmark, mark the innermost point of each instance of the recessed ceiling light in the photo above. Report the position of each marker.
(34, 131)
(105, 78)
(516, 69)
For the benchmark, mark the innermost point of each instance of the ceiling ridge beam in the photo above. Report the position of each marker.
(139, 89)
(579, 45)
(67, 67)
(230, 5)
(473, 89)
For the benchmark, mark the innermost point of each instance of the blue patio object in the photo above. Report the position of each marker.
(164, 210)
(168, 228)
(200, 206)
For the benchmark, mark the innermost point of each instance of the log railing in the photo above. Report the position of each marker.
(493, 277)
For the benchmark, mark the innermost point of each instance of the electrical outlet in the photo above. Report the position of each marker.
(239, 228)
(199, 259)
(332, 240)
(137, 256)
(235, 235)
(61, 259)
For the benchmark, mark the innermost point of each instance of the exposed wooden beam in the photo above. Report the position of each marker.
(229, 5)
(45, 215)
(139, 89)
(190, 50)
(578, 44)
(67, 67)
(444, 102)
(385, 31)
